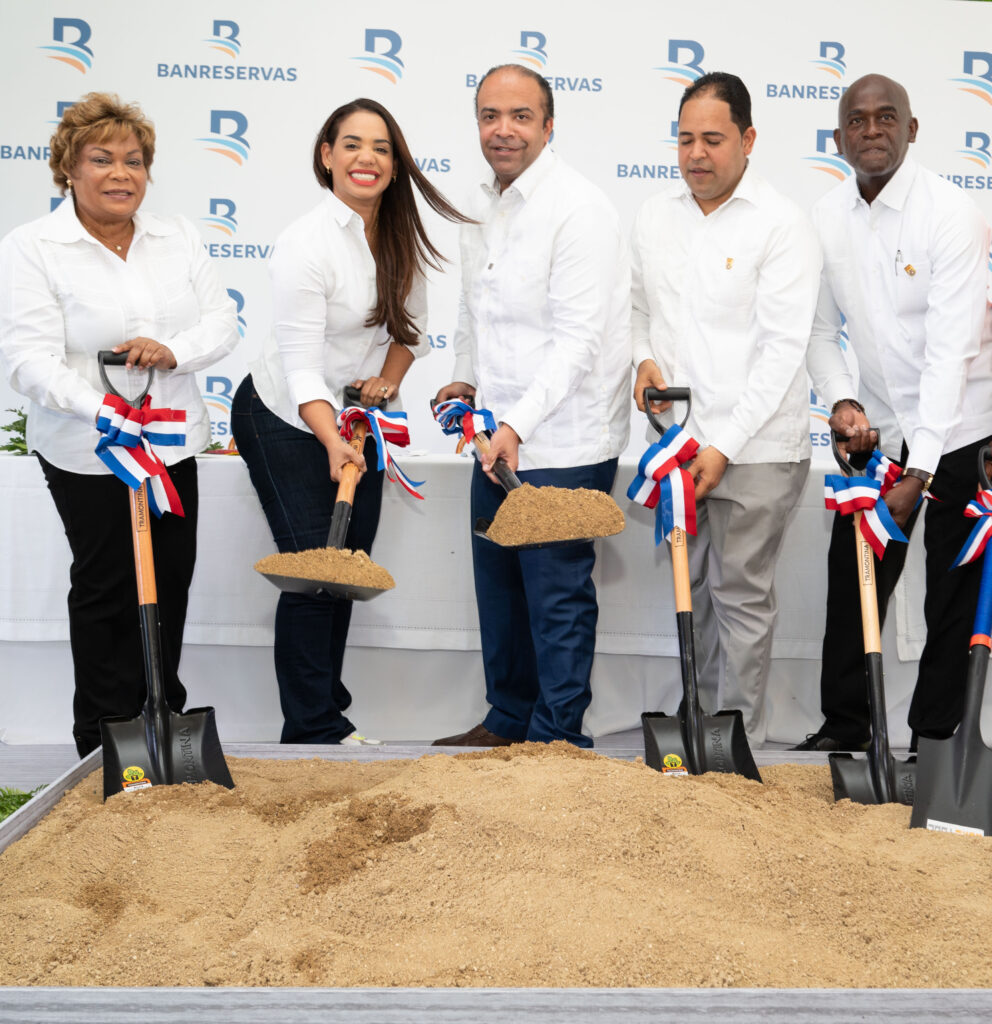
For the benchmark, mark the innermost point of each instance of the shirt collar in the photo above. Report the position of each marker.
(896, 190)
(342, 212)
(62, 225)
(747, 189)
(528, 182)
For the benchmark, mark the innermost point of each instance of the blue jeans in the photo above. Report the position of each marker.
(289, 471)
(537, 618)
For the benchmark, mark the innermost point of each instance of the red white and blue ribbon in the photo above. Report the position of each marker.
(458, 417)
(980, 509)
(126, 447)
(850, 494)
(662, 483)
(385, 427)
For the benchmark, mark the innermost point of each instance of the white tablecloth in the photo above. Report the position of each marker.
(412, 662)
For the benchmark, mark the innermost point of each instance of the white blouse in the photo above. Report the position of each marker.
(323, 287)
(64, 297)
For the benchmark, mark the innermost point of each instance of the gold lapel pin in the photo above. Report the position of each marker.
(910, 269)
(730, 262)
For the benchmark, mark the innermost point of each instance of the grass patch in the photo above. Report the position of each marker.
(11, 799)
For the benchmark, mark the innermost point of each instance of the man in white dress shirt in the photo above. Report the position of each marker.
(544, 342)
(725, 275)
(905, 263)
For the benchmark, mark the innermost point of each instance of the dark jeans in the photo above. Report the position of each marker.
(104, 628)
(949, 608)
(290, 473)
(537, 618)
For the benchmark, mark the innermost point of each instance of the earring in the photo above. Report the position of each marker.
(68, 183)
(327, 167)
(394, 177)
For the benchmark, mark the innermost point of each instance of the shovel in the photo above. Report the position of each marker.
(692, 742)
(160, 746)
(510, 482)
(954, 776)
(340, 520)
(878, 778)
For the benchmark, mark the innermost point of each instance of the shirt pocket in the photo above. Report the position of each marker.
(731, 282)
(912, 284)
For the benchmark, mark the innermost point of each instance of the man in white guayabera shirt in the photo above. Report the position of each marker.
(725, 277)
(905, 263)
(543, 341)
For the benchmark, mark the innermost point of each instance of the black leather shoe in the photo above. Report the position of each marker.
(480, 736)
(821, 741)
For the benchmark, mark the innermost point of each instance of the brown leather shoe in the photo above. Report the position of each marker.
(480, 736)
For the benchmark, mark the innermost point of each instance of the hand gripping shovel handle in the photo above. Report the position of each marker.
(501, 470)
(343, 503)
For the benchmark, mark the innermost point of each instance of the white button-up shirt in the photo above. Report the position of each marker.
(544, 325)
(909, 275)
(723, 303)
(323, 288)
(64, 297)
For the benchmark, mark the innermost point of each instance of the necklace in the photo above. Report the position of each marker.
(106, 241)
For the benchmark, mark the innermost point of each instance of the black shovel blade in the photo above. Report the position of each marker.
(954, 786)
(725, 746)
(196, 754)
(854, 780)
(299, 585)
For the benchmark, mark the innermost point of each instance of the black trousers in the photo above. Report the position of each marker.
(949, 609)
(104, 629)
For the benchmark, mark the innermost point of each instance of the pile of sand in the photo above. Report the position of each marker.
(529, 865)
(538, 515)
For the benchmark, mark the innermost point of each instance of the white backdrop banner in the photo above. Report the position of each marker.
(237, 92)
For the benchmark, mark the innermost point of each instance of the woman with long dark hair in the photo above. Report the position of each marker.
(349, 308)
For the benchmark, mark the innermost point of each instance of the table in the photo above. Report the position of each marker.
(413, 662)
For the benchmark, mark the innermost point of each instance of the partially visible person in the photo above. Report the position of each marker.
(543, 341)
(725, 275)
(905, 265)
(98, 273)
(349, 308)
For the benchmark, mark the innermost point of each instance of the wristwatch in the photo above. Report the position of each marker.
(920, 474)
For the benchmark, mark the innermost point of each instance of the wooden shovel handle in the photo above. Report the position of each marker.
(866, 585)
(141, 534)
(349, 474)
(680, 571)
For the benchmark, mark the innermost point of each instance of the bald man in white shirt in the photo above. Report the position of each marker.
(905, 263)
(544, 342)
(725, 275)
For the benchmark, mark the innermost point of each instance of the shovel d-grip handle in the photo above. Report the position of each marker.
(854, 460)
(353, 396)
(666, 395)
(106, 358)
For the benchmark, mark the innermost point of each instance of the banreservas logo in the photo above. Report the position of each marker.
(222, 219)
(382, 54)
(683, 71)
(217, 396)
(977, 152)
(226, 39)
(663, 172)
(830, 62)
(976, 81)
(231, 144)
(70, 37)
(33, 151)
(827, 158)
(533, 53)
